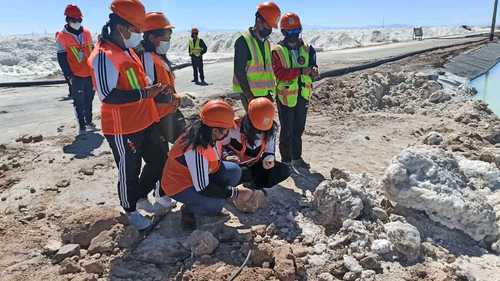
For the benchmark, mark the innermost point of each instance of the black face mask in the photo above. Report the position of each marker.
(265, 32)
(293, 38)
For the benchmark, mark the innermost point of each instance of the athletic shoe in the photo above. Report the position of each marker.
(138, 221)
(91, 127)
(82, 131)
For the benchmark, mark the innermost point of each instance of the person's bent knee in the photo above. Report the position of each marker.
(233, 173)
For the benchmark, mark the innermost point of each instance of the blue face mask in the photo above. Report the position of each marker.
(134, 40)
(163, 48)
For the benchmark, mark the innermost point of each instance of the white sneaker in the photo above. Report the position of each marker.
(162, 204)
(138, 221)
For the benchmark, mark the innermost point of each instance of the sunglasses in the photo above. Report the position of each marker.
(294, 31)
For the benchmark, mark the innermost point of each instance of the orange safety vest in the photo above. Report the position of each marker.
(77, 53)
(176, 176)
(241, 153)
(133, 117)
(165, 77)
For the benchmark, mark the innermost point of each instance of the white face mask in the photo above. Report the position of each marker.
(75, 25)
(163, 48)
(134, 40)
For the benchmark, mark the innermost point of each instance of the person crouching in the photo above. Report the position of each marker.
(251, 144)
(195, 174)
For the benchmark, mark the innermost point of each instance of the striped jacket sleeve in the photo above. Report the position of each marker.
(106, 75)
(198, 168)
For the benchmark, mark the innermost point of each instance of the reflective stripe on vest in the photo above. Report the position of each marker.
(165, 77)
(260, 73)
(77, 52)
(248, 160)
(176, 176)
(195, 49)
(128, 118)
(288, 91)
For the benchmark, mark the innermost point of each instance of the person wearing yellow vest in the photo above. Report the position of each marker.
(197, 48)
(74, 45)
(253, 73)
(129, 115)
(251, 144)
(294, 64)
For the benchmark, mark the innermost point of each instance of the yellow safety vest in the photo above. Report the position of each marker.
(288, 91)
(194, 47)
(260, 73)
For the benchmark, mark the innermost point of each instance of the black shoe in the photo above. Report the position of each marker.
(300, 163)
(203, 83)
(188, 220)
(195, 81)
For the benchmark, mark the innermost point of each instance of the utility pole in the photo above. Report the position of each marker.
(493, 22)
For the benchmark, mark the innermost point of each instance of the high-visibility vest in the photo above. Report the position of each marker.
(133, 117)
(259, 69)
(165, 77)
(241, 153)
(77, 52)
(194, 47)
(176, 176)
(288, 91)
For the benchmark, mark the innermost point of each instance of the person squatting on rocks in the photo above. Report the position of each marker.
(251, 144)
(129, 114)
(195, 173)
(74, 45)
(152, 52)
(253, 73)
(196, 50)
(294, 64)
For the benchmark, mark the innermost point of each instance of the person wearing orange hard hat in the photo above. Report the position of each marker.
(253, 74)
(294, 64)
(152, 51)
(251, 144)
(74, 45)
(197, 48)
(195, 174)
(129, 115)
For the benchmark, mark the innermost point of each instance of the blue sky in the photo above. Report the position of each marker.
(39, 16)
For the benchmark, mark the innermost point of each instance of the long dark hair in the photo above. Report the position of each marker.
(251, 132)
(110, 27)
(198, 134)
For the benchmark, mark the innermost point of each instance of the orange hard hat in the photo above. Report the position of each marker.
(155, 21)
(73, 11)
(131, 11)
(194, 30)
(217, 114)
(290, 21)
(270, 12)
(261, 113)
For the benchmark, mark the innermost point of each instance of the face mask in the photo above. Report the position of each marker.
(75, 25)
(293, 38)
(163, 48)
(265, 32)
(134, 40)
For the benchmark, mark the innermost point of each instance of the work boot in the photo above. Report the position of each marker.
(188, 220)
(138, 221)
(300, 163)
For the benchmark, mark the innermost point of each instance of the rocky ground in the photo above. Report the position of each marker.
(404, 186)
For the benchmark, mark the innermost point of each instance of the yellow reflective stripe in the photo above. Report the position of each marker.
(132, 79)
(76, 53)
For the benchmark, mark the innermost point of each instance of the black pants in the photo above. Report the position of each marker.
(261, 178)
(293, 123)
(197, 63)
(82, 93)
(171, 127)
(129, 151)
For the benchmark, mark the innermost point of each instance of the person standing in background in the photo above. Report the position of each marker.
(74, 45)
(294, 64)
(197, 49)
(253, 72)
